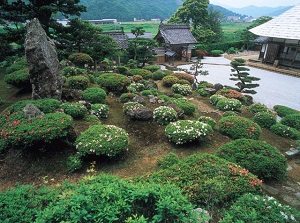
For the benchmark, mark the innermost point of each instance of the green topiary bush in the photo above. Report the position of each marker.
(158, 75)
(258, 107)
(285, 131)
(239, 127)
(94, 95)
(184, 76)
(255, 208)
(283, 111)
(76, 110)
(149, 92)
(208, 180)
(184, 89)
(164, 115)
(106, 140)
(131, 106)
(203, 92)
(292, 120)
(146, 74)
(113, 82)
(22, 133)
(80, 59)
(18, 78)
(152, 68)
(188, 107)
(214, 99)
(78, 82)
(259, 157)
(126, 97)
(208, 120)
(184, 131)
(167, 160)
(100, 110)
(70, 71)
(121, 69)
(229, 104)
(230, 93)
(135, 87)
(264, 119)
(168, 81)
(20, 64)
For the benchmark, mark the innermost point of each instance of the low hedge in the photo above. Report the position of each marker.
(285, 131)
(94, 95)
(184, 131)
(283, 111)
(292, 120)
(259, 157)
(239, 127)
(113, 82)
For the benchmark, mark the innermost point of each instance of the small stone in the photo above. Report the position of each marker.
(289, 168)
(292, 152)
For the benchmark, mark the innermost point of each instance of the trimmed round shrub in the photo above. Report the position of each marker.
(184, 131)
(203, 92)
(131, 106)
(167, 160)
(182, 89)
(184, 76)
(146, 74)
(149, 92)
(94, 95)
(126, 97)
(121, 69)
(188, 107)
(106, 140)
(264, 119)
(46, 105)
(137, 78)
(152, 68)
(76, 110)
(208, 120)
(164, 97)
(285, 131)
(22, 133)
(168, 72)
(283, 111)
(80, 59)
(216, 53)
(259, 157)
(256, 208)
(258, 107)
(239, 127)
(230, 113)
(135, 87)
(21, 64)
(205, 84)
(208, 180)
(158, 75)
(214, 99)
(78, 82)
(113, 82)
(168, 81)
(229, 104)
(292, 120)
(230, 93)
(18, 78)
(164, 115)
(100, 110)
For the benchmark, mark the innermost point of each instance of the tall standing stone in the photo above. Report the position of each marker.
(44, 68)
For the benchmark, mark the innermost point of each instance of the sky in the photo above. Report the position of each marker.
(243, 3)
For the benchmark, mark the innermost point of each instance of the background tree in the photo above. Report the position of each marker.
(242, 76)
(247, 36)
(137, 31)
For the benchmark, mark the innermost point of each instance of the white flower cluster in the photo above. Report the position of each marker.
(164, 115)
(131, 106)
(100, 110)
(229, 104)
(184, 131)
(135, 87)
(183, 89)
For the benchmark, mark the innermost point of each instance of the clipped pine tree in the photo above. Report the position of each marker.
(241, 75)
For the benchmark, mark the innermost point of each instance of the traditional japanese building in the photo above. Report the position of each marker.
(175, 42)
(283, 39)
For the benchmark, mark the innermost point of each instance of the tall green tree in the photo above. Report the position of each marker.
(241, 75)
(137, 32)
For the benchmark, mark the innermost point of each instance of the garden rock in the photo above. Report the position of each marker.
(142, 114)
(139, 99)
(31, 111)
(218, 86)
(292, 152)
(212, 91)
(150, 84)
(87, 104)
(180, 112)
(44, 68)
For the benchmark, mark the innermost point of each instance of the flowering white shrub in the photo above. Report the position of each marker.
(229, 104)
(100, 110)
(185, 131)
(135, 87)
(164, 115)
(183, 89)
(131, 106)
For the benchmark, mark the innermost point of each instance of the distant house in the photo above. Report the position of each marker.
(283, 45)
(103, 21)
(175, 42)
(120, 37)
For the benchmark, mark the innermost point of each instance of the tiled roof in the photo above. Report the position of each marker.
(176, 34)
(286, 26)
(261, 39)
(120, 37)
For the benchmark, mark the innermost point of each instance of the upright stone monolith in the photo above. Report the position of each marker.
(44, 68)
